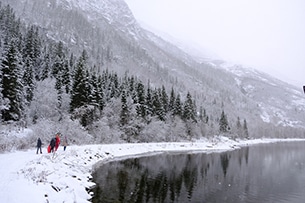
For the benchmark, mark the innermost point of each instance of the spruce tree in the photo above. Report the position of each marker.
(113, 86)
(45, 66)
(124, 115)
(245, 129)
(78, 92)
(11, 83)
(189, 112)
(157, 105)
(3, 101)
(132, 89)
(171, 104)
(66, 77)
(100, 98)
(141, 109)
(238, 127)
(149, 102)
(94, 96)
(28, 50)
(32, 49)
(164, 99)
(59, 59)
(28, 81)
(223, 123)
(177, 107)
(88, 87)
(58, 87)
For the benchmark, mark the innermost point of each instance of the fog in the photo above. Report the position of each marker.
(264, 34)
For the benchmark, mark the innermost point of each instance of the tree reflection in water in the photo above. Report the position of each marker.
(256, 174)
(162, 178)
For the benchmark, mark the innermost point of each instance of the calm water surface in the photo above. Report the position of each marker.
(262, 174)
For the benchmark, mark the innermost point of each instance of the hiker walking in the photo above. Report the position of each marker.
(39, 143)
(65, 143)
(57, 141)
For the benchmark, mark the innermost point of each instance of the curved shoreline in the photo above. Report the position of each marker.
(66, 177)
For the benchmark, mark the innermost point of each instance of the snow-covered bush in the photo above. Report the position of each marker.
(102, 133)
(86, 114)
(46, 129)
(177, 130)
(15, 139)
(44, 104)
(155, 131)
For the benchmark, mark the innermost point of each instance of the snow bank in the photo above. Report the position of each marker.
(29, 177)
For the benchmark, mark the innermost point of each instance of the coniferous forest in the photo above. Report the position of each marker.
(47, 88)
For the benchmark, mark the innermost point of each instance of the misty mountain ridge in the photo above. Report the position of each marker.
(115, 41)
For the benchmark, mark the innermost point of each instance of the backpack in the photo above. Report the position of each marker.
(53, 141)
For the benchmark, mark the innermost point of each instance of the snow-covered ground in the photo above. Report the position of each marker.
(28, 177)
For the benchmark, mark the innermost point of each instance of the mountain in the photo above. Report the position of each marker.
(115, 41)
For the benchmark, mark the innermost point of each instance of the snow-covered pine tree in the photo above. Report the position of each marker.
(140, 106)
(223, 123)
(132, 89)
(88, 87)
(171, 103)
(158, 109)
(149, 102)
(58, 64)
(238, 127)
(66, 76)
(164, 99)
(78, 93)
(32, 50)
(37, 53)
(124, 114)
(94, 96)
(245, 129)
(59, 89)
(189, 112)
(113, 88)
(4, 102)
(100, 98)
(12, 81)
(28, 80)
(45, 65)
(177, 107)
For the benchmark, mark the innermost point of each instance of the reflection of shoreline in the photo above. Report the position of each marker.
(175, 176)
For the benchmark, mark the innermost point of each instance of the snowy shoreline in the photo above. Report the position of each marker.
(31, 177)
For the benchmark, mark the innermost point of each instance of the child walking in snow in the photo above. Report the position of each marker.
(65, 143)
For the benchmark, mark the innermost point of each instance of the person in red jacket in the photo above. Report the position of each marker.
(57, 141)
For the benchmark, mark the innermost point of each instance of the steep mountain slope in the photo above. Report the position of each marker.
(281, 103)
(274, 101)
(114, 40)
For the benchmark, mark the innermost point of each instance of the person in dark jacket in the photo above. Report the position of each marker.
(52, 144)
(39, 143)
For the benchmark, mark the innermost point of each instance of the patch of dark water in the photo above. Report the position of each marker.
(260, 173)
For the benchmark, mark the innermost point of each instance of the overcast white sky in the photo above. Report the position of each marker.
(268, 35)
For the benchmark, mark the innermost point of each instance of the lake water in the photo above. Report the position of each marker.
(260, 174)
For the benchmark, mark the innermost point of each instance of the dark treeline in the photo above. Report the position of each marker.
(28, 57)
